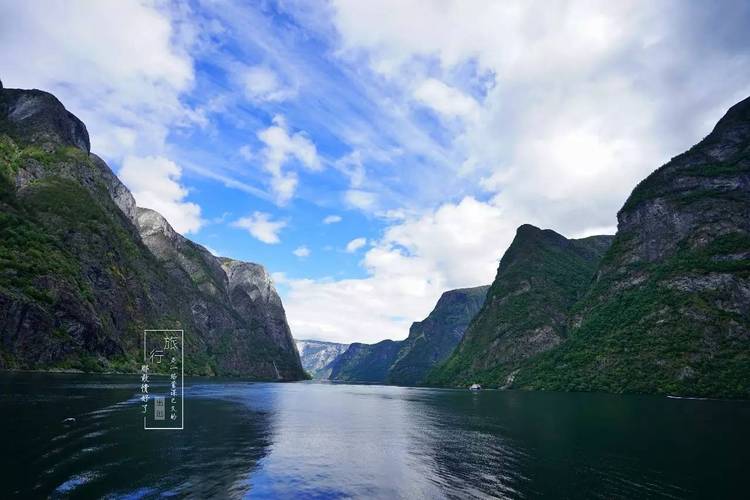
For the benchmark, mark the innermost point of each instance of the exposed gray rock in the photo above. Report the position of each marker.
(318, 356)
(38, 117)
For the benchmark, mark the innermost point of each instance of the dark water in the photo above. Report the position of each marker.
(311, 440)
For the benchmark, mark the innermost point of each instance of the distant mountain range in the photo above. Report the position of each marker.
(317, 356)
(83, 271)
(429, 342)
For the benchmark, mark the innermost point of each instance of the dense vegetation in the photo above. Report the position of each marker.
(668, 310)
(77, 283)
(540, 277)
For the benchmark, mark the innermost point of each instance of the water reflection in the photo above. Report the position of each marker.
(311, 440)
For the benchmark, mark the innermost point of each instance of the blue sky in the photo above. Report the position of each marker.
(375, 154)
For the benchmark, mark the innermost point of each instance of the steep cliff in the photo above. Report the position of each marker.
(365, 362)
(317, 356)
(430, 341)
(669, 311)
(83, 271)
(540, 277)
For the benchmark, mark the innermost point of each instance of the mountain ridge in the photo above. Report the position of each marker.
(669, 311)
(407, 361)
(540, 276)
(317, 356)
(84, 265)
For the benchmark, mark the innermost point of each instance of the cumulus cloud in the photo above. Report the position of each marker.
(301, 251)
(355, 244)
(416, 260)
(282, 147)
(125, 88)
(332, 219)
(154, 182)
(262, 227)
(580, 100)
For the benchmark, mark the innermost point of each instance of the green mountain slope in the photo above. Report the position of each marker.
(365, 362)
(79, 282)
(540, 277)
(669, 311)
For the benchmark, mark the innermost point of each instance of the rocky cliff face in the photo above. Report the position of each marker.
(430, 341)
(318, 356)
(540, 277)
(83, 271)
(365, 362)
(669, 311)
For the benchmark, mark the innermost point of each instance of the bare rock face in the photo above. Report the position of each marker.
(252, 294)
(85, 271)
(318, 356)
(433, 339)
(40, 118)
(186, 261)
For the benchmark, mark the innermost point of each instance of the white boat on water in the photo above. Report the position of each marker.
(475, 387)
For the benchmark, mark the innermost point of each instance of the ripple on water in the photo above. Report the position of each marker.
(75, 481)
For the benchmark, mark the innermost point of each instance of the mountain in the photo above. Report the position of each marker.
(365, 362)
(83, 271)
(669, 309)
(430, 341)
(540, 277)
(317, 356)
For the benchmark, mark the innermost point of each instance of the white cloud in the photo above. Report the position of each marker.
(261, 84)
(280, 147)
(125, 88)
(446, 100)
(332, 219)
(261, 226)
(355, 244)
(154, 182)
(301, 251)
(457, 245)
(580, 100)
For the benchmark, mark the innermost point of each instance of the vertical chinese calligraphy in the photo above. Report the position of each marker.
(162, 379)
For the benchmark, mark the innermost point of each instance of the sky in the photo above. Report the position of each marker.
(373, 155)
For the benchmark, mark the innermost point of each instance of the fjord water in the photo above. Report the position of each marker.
(308, 440)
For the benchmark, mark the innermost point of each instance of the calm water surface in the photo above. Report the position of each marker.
(309, 440)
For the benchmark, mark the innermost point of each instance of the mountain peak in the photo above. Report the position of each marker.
(38, 117)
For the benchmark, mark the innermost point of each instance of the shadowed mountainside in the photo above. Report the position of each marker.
(84, 271)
